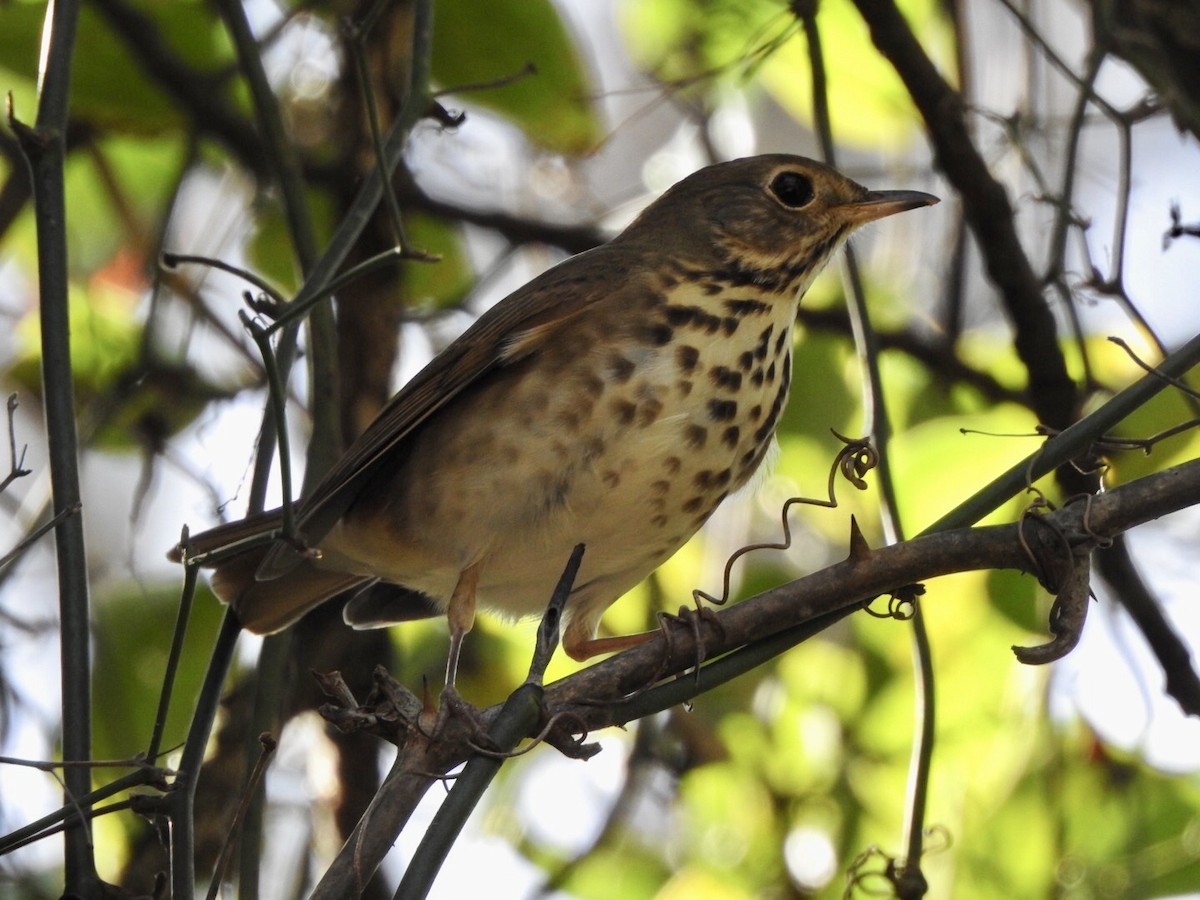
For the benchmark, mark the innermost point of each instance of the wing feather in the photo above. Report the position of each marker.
(512, 329)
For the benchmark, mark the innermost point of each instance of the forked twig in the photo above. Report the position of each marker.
(1146, 367)
(16, 466)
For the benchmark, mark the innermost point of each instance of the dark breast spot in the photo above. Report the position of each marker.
(658, 334)
(648, 411)
(695, 436)
(724, 377)
(623, 410)
(687, 357)
(768, 426)
(592, 384)
(672, 464)
(722, 410)
(693, 317)
(593, 447)
(746, 361)
(747, 307)
(620, 368)
(692, 505)
(568, 419)
(681, 315)
(764, 342)
(730, 436)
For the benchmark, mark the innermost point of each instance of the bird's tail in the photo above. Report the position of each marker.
(262, 607)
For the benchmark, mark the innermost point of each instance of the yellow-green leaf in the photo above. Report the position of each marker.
(476, 42)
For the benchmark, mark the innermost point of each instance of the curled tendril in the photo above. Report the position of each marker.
(853, 461)
(876, 882)
(902, 603)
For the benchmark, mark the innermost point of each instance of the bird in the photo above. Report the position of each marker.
(614, 400)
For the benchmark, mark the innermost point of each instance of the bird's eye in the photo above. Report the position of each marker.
(792, 189)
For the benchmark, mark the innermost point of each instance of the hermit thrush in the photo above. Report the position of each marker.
(613, 401)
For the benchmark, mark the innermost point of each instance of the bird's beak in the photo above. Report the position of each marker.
(878, 204)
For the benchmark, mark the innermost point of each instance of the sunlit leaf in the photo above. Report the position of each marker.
(129, 404)
(440, 283)
(103, 61)
(731, 822)
(131, 647)
(477, 43)
(938, 466)
(616, 872)
(707, 44)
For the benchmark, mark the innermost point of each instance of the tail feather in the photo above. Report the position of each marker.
(264, 607)
(228, 535)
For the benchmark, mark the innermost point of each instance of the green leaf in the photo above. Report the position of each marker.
(477, 42)
(132, 639)
(109, 87)
(710, 45)
(868, 104)
(442, 283)
(130, 403)
(1016, 597)
(621, 871)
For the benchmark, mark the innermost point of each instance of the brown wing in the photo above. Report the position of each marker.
(511, 330)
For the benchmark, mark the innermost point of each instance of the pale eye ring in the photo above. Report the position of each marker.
(792, 189)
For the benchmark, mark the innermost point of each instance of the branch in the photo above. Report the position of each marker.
(44, 148)
(643, 680)
(597, 696)
(201, 94)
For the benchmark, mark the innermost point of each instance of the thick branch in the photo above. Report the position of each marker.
(1115, 565)
(987, 211)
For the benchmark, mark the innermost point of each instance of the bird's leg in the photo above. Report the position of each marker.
(579, 644)
(580, 647)
(461, 615)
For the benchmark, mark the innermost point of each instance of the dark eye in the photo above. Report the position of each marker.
(792, 189)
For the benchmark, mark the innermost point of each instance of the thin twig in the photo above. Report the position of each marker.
(16, 467)
(879, 424)
(30, 539)
(44, 149)
(267, 745)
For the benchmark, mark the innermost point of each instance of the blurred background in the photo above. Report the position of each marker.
(557, 122)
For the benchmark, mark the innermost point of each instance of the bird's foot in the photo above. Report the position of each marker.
(690, 618)
(459, 720)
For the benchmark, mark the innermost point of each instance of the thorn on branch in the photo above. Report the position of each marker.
(860, 550)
